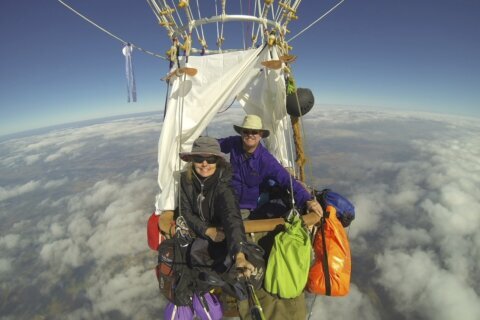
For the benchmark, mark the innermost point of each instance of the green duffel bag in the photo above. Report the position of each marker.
(289, 261)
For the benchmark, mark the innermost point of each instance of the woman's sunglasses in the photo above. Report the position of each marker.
(200, 159)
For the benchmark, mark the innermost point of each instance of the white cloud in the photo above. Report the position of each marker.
(10, 241)
(72, 150)
(80, 228)
(122, 291)
(356, 305)
(5, 266)
(423, 214)
(98, 223)
(420, 287)
(30, 186)
(68, 143)
(7, 193)
(414, 182)
(55, 183)
(115, 223)
(101, 194)
(370, 207)
(402, 237)
(63, 255)
(30, 159)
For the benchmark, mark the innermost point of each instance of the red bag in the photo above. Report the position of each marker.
(154, 237)
(330, 274)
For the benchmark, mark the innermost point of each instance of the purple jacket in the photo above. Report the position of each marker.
(248, 174)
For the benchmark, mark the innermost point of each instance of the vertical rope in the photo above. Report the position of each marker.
(180, 123)
(304, 135)
(273, 12)
(293, 165)
(300, 161)
(166, 100)
(290, 147)
(216, 13)
(201, 27)
(300, 136)
(254, 36)
(221, 39)
(243, 25)
(178, 14)
(309, 163)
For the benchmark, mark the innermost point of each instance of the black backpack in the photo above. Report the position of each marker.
(218, 269)
(176, 280)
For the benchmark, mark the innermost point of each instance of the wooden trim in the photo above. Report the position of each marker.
(263, 225)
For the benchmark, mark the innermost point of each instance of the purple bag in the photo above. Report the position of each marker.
(207, 307)
(173, 312)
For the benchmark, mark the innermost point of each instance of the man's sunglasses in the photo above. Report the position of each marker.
(246, 132)
(200, 159)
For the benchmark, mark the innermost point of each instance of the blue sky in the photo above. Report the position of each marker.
(403, 55)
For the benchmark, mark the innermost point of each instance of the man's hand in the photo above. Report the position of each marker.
(215, 234)
(314, 206)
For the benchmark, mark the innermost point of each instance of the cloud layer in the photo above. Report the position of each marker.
(415, 180)
(74, 202)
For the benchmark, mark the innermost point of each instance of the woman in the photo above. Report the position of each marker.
(208, 203)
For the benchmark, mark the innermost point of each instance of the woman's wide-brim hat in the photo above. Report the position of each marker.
(203, 146)
(252, 122)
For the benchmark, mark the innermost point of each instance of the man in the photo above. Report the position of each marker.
(254, 165)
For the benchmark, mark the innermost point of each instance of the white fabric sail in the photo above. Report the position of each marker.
(194, 101)
(265, 97)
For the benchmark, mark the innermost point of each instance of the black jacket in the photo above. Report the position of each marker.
(219, 207)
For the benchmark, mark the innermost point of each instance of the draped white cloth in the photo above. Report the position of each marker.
(194, 101)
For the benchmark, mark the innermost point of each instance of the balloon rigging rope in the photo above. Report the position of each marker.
(304, 134)
(111, 34)
(216, 13)
(243, 26)
(256, 8)
(201, 27)
(164, 58)
(221, 39)
(178, 14)
(180, 121)
(292, 161)
(314, 22)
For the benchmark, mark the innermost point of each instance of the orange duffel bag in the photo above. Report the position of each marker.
(330, 274)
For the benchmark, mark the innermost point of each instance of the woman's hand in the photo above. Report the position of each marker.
(244, 267)
(215, 234)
